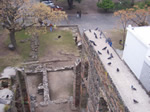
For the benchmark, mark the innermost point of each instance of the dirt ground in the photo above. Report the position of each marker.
(60, 84)
(115, 35)
(32, 82)
(55, 108)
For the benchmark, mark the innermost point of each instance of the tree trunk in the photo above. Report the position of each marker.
(132, 2)
(12, 38)
(124, 37)
(70, 4)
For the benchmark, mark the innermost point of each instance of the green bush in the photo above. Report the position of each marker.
(147, 2)
(106, 5)
(6, 108)
(142, 4)
(122, 5)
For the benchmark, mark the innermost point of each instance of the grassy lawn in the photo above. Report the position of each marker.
(48, 42)
(51, 41)
(13, 58)
(23, 48)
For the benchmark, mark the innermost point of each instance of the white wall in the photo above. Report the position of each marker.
(147, 57)
(134, 53)
(145, 76)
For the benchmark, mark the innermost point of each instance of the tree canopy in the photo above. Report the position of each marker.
(135, 15)
(16, 15)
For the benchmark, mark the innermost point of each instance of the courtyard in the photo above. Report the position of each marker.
(49, 60)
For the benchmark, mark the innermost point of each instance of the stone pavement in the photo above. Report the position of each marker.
(104, 21)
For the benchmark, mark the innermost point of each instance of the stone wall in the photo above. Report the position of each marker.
(22, 94)
(103, 95)
(77, 83)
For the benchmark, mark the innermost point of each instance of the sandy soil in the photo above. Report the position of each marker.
(60, 84)
(55, 108)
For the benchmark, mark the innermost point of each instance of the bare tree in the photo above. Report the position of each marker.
(14, 15)
(134, 15)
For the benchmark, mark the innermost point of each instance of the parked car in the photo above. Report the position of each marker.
(48, 3)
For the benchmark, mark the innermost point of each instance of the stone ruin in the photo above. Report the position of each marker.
(43, 88)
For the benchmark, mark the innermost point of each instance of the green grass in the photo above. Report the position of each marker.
(14, 58)
(51, 41)
(23, 48)
(48, 41)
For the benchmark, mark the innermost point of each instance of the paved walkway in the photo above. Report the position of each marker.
(91, 21)
(104, 21)
(123, 79)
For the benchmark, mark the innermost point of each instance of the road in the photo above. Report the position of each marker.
(92, 21)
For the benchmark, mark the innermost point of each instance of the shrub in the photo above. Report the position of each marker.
(143, 4)
(6, 108)
(123, 4)
(147, 2)
(106, 5)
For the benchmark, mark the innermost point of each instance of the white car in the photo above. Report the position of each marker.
(48, 3)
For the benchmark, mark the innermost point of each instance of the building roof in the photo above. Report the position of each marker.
(123, 79)
(141, 33)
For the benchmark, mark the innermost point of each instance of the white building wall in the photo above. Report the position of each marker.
(147, 58)
(134, 53)
(145, 76)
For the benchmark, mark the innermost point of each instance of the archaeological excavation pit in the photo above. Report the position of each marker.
(52, 79)
(33, 80)
(60, 84)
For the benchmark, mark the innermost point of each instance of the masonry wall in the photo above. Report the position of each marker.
(103, 96)
(77, 83)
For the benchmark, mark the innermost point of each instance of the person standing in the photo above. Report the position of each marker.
(80, 13)
(51, 27)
